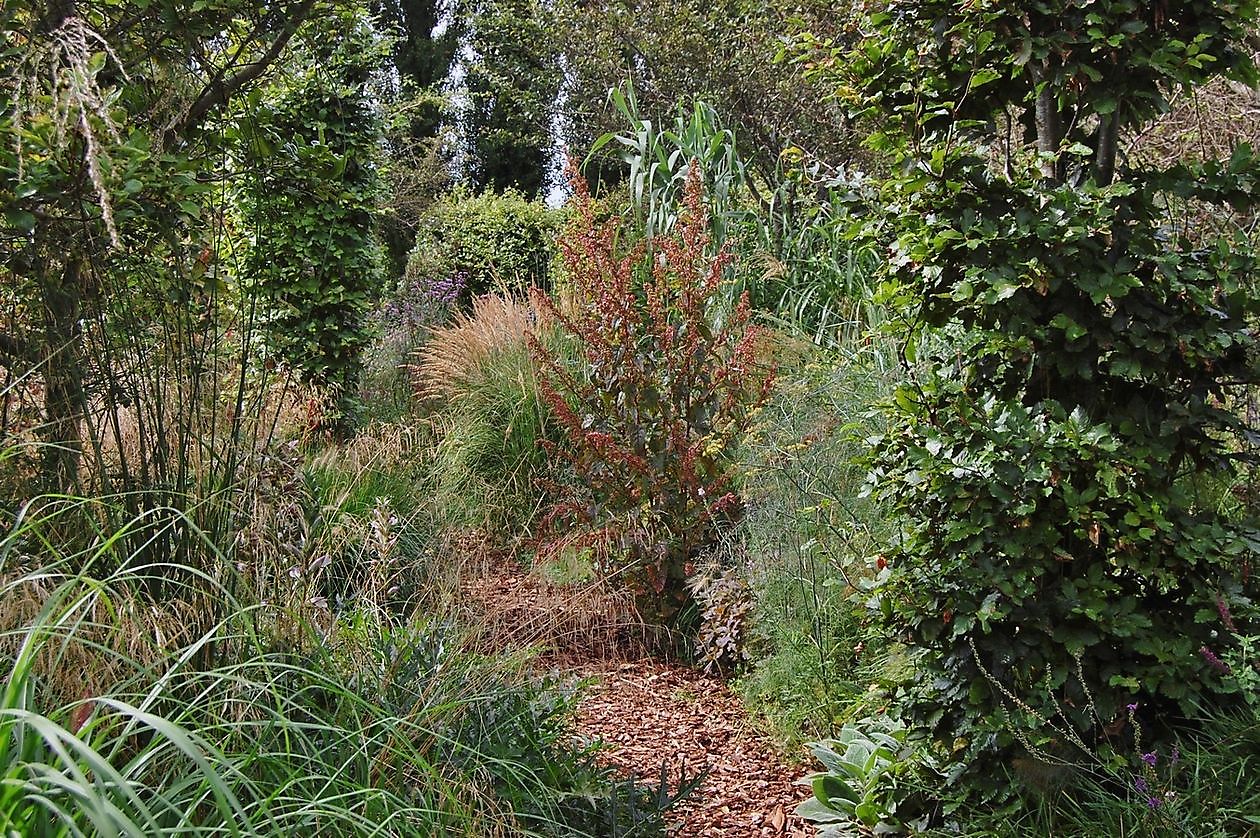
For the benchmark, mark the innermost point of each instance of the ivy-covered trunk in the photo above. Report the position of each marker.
(317, 265)
(1059, 453)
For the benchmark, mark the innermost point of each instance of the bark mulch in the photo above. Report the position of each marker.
(646, 712)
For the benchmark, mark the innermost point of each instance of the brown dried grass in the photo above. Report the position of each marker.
(514, 608)
(453, 354)
(1206, 123)
(99, 639)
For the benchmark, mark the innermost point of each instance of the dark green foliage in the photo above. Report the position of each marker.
(675, 53)
(513, 84)
(491, 238)
(423, 59)
(316, 258)
(424, 39)
(1073, 383)
(938, 67)
(103, 172)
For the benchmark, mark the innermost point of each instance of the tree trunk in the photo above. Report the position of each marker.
(1049, 132)
(64, 401)
(1105, 160)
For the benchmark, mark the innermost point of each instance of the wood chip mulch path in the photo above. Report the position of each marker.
(648, 712)
(645, 711)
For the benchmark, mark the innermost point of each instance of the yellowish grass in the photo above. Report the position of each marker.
(98, 639)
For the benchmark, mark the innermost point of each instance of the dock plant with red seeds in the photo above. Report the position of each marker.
(654, 402)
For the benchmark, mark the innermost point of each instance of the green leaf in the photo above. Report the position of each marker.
(834, 792)
(815, 811)
(868, 813)
(982, 77)
(20, 220)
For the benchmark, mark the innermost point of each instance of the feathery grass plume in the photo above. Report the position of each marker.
(455, 353)
(489, 413)
(60, 73)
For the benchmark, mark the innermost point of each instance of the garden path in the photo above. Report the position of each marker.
(648, 712)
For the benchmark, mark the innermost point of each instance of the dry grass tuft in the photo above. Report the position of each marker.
(453, 354)
(583, 620)
(99, 639)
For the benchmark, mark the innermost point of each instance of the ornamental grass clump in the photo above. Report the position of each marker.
(654, 402)
(477, 375)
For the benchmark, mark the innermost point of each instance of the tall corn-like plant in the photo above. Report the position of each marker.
(660, 158)
(658, 401)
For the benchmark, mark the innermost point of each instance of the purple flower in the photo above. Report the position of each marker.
(1139, 783)
(1215, 662)
(1153, 802)
(1226, 618)
(1132, 707)
(1176, 755)
(446, 290)
(1150, 759)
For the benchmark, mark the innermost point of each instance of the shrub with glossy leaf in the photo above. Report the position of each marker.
(316, 260)
(1085, 342)
(657, 401)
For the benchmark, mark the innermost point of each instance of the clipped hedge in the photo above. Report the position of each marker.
(490, 237)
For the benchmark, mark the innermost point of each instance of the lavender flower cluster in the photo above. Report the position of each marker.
(423, 302)
(447, 290)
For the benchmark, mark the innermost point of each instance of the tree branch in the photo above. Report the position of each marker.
(219, 91)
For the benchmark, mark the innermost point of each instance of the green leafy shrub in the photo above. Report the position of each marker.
(492, 238)
(1081, 349)
(315, 257)
(655, 406)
